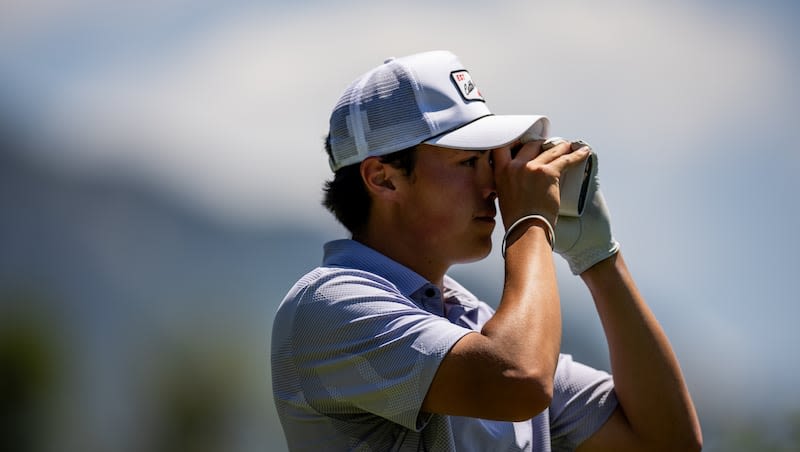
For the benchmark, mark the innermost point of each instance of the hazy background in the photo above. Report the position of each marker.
(160, 174)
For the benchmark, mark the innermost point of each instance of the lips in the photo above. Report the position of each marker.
(486, 216)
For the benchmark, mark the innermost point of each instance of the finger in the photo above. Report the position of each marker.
(556, 150)
(501, 156)
(528, 151)
(552, 141)
(571, 158)
(578, 144)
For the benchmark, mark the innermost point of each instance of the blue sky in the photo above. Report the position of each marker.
(692, 108)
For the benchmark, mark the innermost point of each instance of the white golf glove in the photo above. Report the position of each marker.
(586, 240)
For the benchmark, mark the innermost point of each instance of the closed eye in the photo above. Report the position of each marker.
(471, 162)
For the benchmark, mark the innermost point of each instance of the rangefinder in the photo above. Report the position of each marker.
(575, 181)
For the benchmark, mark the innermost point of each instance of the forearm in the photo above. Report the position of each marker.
(527, 324)
(647, 377)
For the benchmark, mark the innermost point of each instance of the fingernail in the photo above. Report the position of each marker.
(551, 142)
(579, 144)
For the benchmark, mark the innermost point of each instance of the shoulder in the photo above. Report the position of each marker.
(583, 401)
(353, 314)
(329, 297)
(336, 285)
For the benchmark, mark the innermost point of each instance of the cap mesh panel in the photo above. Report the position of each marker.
(392, 113)
(392, 118)
(342, 142)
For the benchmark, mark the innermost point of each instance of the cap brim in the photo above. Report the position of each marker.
(494, 131)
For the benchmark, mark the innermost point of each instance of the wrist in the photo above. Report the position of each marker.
(523, 224)
(604, 268)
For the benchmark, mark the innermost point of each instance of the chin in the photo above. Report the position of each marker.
(480, 253)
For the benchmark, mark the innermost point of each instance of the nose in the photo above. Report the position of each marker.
(486, 181)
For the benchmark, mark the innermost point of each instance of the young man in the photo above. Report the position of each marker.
(378, 349)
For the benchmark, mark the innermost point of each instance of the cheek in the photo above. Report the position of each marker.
(443, 193)
(440, 211)
(442, 199)
(448, 187)
(431, 211)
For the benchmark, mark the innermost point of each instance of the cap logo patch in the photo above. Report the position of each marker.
(466, 87)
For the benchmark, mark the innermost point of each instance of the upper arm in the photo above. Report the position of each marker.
(473, 380)
(615, 435)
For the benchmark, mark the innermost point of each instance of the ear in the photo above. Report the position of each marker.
(378, 177)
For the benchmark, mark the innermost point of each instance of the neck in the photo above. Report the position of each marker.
(405, 251)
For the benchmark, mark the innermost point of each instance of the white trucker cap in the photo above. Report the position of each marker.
(422, 98)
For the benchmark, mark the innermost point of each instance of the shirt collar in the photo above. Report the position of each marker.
(455, 291)
(352, 254)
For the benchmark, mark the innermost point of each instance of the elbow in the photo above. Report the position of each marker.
(695, 442)
(528, 396)
(690, 442)
(688, 446)
(692, 438)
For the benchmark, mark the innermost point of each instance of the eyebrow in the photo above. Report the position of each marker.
(464, 152)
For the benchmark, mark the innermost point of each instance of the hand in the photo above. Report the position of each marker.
(586, 240)
(528, 182)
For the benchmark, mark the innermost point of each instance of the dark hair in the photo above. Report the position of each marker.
(346, 195)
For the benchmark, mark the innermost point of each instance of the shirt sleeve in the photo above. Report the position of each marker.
(362, 348)
(583, 400)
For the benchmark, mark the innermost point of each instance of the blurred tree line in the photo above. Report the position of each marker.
(189, 395)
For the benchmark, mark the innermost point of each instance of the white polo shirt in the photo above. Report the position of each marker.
(356, 344)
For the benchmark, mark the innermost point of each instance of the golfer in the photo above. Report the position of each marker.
(378, 349)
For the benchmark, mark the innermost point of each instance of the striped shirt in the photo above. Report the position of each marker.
(356, 343)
